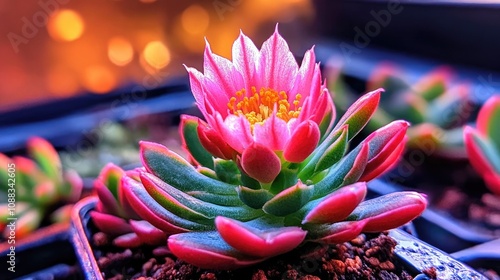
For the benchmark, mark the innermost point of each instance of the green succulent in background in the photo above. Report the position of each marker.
(436, 107)
(113, 143)
(33, 188)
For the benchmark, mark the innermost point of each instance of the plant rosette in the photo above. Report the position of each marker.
(268, 169)
(35, 191)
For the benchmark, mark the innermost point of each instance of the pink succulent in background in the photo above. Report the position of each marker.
(114, 215)
(267, 171)
(40, 185)
(483, 143)
(261, 102)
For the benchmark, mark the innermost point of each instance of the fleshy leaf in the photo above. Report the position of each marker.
(188, 129)
(208, 250)
(147, 233)
(46, 157)
(254, 198)
(389, 211)
(150, 210)
(176, 171)
(110, 224)
(128, 240)
(334, 152)
(259, 242)
(227, 171)
(335, 233)
(185, 206)
(337, 205)
(289, 200)
(358, 115)
(488, 120)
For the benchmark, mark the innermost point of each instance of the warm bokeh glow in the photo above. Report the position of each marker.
(156, 54)
(99, 79)
(195, 19)
(65, 25)
(120, 51)
(57, 49)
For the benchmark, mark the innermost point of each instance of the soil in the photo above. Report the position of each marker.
(368, 256)
(452, 186)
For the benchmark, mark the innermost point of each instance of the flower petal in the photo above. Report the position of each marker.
(273, 133)
(236, 131)
(245, 56)
(222, 72)
(277, 67)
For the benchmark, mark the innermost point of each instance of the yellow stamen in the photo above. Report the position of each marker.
(259, 105)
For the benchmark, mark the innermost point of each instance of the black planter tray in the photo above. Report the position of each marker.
(45, 254)
(485, 256)
(438, 228)
(416, 255)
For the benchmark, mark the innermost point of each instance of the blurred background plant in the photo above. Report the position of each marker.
(483, 144)
(435, 104)
(44, 193)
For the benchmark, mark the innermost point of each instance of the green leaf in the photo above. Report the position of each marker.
(358, 115)
(188, 207)
(254, 198)
(307, 171)
(289, 200)
(285, 179)
(227, 171)
(176, 171)
(223, 200)
(333, 153)
(191, 141)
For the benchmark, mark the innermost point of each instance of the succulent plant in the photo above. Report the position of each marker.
(38, 187)
(269, 170)
(483, 143)
(114, 215)
(436, 107)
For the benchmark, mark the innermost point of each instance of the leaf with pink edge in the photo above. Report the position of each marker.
(110, 224)
(208, 250)
(188, 130)
(307, 170)
(359, 113)
(345, 172)
(488, 120)
(188, 207)
(389, 211)
(150, 210)
(147, 233)
(258, 238)
(128, 240)
(176, 171)
(336, 206)
(46, 157)
(334, 152)
(289, 200)
(335, 233)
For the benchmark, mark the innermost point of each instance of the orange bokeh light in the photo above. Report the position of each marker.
(156, 54)
(120, 51)
(195, 19)
(99, 79)
(66, 25)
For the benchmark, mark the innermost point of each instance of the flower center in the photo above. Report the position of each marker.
(259, 105)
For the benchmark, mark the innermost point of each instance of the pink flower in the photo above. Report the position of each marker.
(261, 97)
